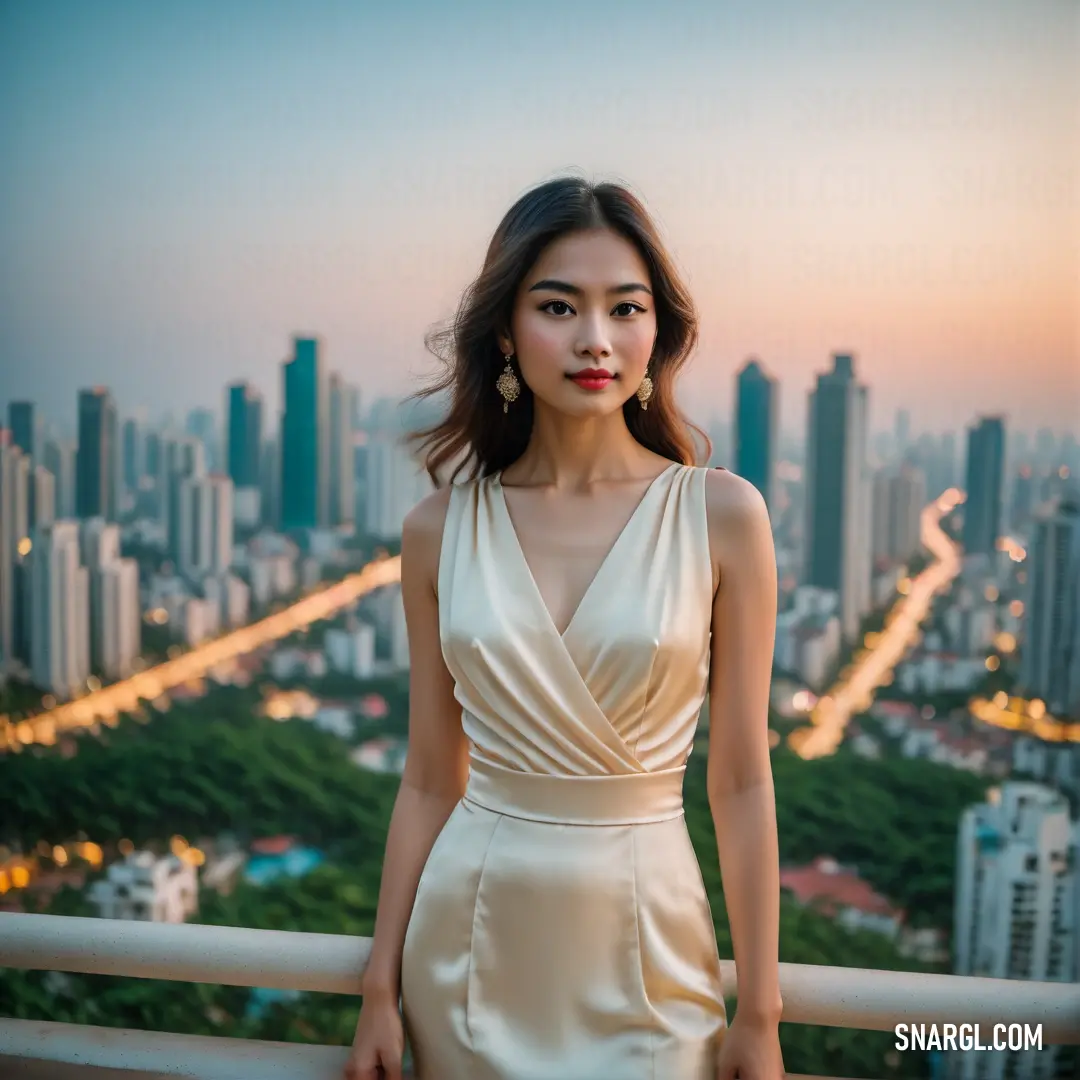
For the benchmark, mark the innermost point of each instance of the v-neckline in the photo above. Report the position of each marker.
(618, 542)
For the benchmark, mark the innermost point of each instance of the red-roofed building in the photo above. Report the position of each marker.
(840, 893)
(272, 845)
(374, 706)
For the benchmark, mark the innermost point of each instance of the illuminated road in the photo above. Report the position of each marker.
(107, 704)
(873, 665)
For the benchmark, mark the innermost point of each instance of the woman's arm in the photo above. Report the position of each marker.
(739, 770)
(437, 763)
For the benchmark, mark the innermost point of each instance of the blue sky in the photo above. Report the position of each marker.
(189, 185)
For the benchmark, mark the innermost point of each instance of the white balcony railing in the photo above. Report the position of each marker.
(827, 996)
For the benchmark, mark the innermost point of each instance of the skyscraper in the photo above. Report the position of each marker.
(205, 525)
(395, 483)
(342, 458)
(902, 430)
(755, 427)
(95, 469)
(61, 459)
(42, 497)
(60, 600)
(1014, 901)
(304, 439)
(114, 619)
(837, 491)
(131, 439)
(1050, 633)
(152, 455)
(244, 434)
(270, 483)
(184, 457)
(202, 424)
(985, 476)
(23, 426)
(899, 495)
(1023, 498)
(14, 530)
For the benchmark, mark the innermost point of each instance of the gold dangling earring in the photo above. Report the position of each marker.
(644, 391)
(507, 384)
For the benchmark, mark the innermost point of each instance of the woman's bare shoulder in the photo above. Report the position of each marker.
(735, 509)
(421, 540)
(426, 519)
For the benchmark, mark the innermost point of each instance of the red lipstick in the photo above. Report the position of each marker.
(592, 378)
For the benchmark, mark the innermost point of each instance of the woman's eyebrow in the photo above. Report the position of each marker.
(574, 290)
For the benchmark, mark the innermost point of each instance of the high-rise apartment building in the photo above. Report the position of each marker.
(205, 525)
(341, 455)
(115, 615)
(42, 497)
(184, 458)
(1015, 907)
(60, 602)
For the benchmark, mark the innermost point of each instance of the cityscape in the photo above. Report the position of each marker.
(233, 562)
(229, 233)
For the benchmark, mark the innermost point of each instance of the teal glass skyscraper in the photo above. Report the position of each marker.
(755, 427)
(244, 436)
(304, 439)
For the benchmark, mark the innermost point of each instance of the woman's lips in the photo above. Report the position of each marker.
(593, 380)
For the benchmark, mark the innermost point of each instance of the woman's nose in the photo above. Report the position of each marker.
(594, 339)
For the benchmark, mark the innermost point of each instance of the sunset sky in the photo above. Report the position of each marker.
(188, 185)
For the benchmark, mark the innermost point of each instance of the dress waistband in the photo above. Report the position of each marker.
(621, 799)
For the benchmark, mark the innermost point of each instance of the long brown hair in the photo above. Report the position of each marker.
(475, 433)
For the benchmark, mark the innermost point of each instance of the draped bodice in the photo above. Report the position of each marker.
(620, 691)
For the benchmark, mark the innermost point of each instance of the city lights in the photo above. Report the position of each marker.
(874, 666)
(106, 704)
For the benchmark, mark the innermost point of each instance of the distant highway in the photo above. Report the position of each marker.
(108, 703)
(873, 665)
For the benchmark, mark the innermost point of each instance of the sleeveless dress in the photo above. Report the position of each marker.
(561, 929)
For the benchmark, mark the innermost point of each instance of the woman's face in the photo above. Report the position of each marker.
(585, 304)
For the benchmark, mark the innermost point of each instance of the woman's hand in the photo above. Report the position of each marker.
(750, 1051)
(379, 1043)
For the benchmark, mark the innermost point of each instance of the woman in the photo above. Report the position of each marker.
(542, 913)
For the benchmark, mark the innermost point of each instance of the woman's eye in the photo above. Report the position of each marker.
(561, 307)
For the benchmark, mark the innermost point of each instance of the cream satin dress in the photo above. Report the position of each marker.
(561, 929)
